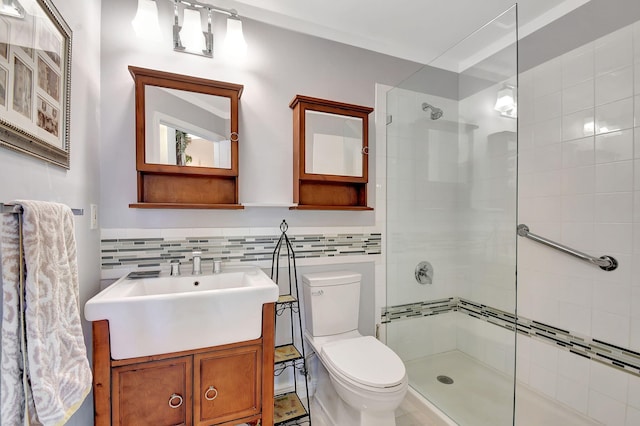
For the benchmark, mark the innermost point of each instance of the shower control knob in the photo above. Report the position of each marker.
(424, 273)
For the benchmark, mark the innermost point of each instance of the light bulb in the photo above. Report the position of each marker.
(145, 23)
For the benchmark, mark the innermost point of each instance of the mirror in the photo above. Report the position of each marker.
(333, 144)
(186, 141)
(330, 154)
(187, 129)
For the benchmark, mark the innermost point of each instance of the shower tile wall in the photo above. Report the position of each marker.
(579, 184)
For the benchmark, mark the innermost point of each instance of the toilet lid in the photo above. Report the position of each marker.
(365, 360)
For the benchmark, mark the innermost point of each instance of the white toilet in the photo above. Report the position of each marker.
(360, 381)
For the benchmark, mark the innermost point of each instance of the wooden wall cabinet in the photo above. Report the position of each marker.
(174, 113)
(223, 385)
(330, 154)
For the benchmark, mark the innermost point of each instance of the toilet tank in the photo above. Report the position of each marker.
(331, 302)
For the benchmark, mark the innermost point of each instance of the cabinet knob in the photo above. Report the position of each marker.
(175, 400)
(211, 393)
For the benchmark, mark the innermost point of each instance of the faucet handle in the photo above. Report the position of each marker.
(217, 266)
(175, 267)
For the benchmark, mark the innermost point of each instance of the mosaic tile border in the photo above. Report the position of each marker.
(127, 253)
(614, 356)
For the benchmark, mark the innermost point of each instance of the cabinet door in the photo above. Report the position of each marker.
(227, 385)
(153, 393)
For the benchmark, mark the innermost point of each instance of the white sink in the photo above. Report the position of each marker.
(151, 316)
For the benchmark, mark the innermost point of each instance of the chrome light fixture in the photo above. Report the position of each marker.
(192, 23)
(506, 102)
(12, 8)
(191, 37)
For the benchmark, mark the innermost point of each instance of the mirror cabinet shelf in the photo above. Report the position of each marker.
(330, 154)
(186, 141)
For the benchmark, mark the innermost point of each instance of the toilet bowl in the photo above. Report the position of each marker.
(369, 379)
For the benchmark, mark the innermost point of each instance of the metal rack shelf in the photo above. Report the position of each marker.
(289, 410)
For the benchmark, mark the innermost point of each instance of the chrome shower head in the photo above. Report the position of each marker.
(435, 112)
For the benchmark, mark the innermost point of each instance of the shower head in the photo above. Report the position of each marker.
(435, 112)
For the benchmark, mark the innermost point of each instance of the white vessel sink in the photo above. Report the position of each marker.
(151, 316)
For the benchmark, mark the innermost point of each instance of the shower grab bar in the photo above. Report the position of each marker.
(17, 208)
(606, 263)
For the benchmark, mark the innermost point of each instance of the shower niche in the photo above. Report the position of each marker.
(330, 154)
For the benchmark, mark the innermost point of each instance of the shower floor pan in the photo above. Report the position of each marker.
(482, 396)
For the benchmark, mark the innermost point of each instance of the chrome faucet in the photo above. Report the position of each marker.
(175, 267)
(197, 268)
(217, 266)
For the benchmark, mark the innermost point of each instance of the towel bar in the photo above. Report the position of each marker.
(17, 208)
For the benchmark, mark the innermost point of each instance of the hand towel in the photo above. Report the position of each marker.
(59, 375)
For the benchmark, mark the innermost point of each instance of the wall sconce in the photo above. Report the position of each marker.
(506, 102)
(12, 8)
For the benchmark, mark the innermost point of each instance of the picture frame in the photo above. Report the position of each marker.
(35, 82)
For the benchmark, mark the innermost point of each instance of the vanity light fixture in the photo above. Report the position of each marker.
(12, 8)
(506, 102)
(191, 37)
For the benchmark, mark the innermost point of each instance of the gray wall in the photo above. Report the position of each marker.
(24, 177)
(279, 65)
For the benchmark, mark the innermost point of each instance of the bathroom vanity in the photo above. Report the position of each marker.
(221, 385)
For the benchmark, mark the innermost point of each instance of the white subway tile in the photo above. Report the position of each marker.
(614, 207)
(543, 380)
(633, 394)
(578, 208)
(636, 109)
(633, 416)
(634, 334)
(614, 177)
(578, 234)
(614, 146)
(578, 65)
(611, 328)
(579, 180)
(578, 152)
(547, 132)
(578, 124)
(609, 381)
(612, 297)
(578, 97)
(547, 107)
(574, 367)
(606, 410)
(614, 85)
(574, 318)
(614, 237)
(614, 116)
(614, 51)
(573, 394)
(547, 78)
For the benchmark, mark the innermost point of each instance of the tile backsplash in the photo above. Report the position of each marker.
(120, 254)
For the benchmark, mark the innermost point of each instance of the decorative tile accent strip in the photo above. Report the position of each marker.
(125, 253)
(597, 350)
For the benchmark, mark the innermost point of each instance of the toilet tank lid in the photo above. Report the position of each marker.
(331, 278)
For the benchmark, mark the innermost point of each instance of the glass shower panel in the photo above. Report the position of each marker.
(451, 202)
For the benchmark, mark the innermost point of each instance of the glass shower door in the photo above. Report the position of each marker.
(451, 217)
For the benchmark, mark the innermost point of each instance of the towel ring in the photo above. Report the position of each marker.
(175, 396)
(211, 398)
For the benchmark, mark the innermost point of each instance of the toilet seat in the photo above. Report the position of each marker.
(366, 361)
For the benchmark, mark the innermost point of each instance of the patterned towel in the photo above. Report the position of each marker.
(58, 371)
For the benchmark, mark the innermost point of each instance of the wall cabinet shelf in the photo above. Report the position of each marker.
(330, 154)
(223, 385)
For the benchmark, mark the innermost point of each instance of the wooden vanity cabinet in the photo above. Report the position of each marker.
(227, 385)
(152, 393)
(223, 385)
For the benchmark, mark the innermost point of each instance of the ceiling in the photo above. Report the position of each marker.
(417, 30)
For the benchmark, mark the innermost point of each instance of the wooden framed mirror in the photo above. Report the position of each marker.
(330, 154)
(186, 141)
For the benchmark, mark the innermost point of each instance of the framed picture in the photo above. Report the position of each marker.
(35, 82)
